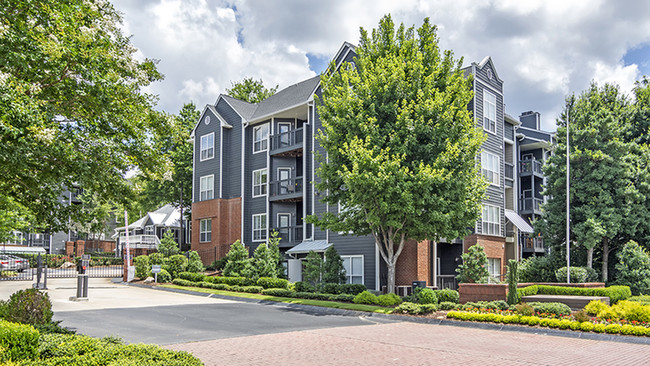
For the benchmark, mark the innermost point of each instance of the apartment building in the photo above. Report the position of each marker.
(254, 166)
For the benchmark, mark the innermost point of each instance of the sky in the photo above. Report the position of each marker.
(542, 50)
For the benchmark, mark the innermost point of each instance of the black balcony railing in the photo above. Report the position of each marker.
(286, 141)
(289, 234)
(286, 189)
(530, 166)
(509, 168)
(534, 244)
(531, 204)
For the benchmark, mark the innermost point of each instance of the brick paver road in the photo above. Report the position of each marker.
(413, 344)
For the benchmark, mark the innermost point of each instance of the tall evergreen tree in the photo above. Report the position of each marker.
(333, 270)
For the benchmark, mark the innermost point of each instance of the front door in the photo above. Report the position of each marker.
(284, 176)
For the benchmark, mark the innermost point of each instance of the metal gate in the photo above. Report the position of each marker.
(56, 266)
(100, 267)
(15, 267)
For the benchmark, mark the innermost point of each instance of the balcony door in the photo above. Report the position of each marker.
(284, 220)
(284, 176)
(283, 129)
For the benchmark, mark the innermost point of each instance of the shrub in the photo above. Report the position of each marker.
(642, 299)
(632, 311)
(633, 268)
(168, 246)
(177, 263)
(164, 276)
(313, 271)
(498, 305)
(220, 286)
(447, 305)
(408, 308)
(182, 282)
(302, 286)
(608, 313)
(268, 282)
(427, 296)
(332, 288)
(586, 326)
(513, 278)
(599, 328)
(278, 292)
(353, 288)
(343, 297)
(578, 274)
(17, 341)
(235, 281)
(194, 263)
(312, 295)
(237, 264)
(388, 300)
(428, 308)
(28, 306)
(190, 276)
(581, 316)
(556, 308)
(447, 295)
(156, 258)
(333, 271)
(252, 289)
(536, 269)
(592, 274)
(594, 307)
(365, 297)
(524, 309)
(142, 266)
(53, 327)
(218, 264)
(474, 266)
(615, 293)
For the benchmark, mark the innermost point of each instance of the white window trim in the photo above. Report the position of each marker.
(363, 264)
(262, 185)
(267, 137)
(202, 149)
(494, 277)
(484, 166)
(497, 223)
(201, 186)
(201, 232)
(253, 229)
(485, 101)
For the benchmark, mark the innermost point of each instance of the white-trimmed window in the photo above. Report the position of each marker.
(259, 227)
(489, 112)
(494, 267)
(491, 220)
(207, 146)
(353, 265)
(260, 137)
(259, 182)
(490, 167)
(205, 230)
(207, 188)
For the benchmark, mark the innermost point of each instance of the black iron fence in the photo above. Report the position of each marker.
(56, 266)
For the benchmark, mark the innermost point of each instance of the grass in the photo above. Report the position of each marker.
(290, 300)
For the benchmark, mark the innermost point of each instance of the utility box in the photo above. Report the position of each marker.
(416, 284)
(294, 270)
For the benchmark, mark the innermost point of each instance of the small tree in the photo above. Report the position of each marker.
(633, 268)
(273, 247)
(238, 265)
(195, 264)
(333, 271)
(313, 272)
(512, 282)
(142, 266)
(474, 266)
(168, 246)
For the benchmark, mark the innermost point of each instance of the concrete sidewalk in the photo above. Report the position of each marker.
(103, 293)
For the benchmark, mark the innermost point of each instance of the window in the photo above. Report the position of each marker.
(206, 230)
(207, 146)
(148, 230)
(260, 138)
(494, 267)
(259, 183)
(491, 220)
(353, 265)
(490, 167)
(489, 112)
(207, 187)
(259, 227)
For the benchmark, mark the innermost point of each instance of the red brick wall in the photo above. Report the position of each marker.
(494, 246)
(226, 226)
(482, 292)
(413, 263)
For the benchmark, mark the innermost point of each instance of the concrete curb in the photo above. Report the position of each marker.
(318, 310)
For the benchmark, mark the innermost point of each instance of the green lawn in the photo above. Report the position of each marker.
(290, 300)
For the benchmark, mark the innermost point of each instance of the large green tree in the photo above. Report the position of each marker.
(401, 144)
(600, 174)
(250, 90)
(72, 106)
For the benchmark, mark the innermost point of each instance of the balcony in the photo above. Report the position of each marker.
(287, 144)
(141, 241)
(528, 167)
(531, 205)
(510, 171)
(289, 235)
(287, 190)
(533, 245)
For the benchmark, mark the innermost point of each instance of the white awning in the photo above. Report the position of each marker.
(519, 222)
(309, 245)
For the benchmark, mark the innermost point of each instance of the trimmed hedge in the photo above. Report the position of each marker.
(278, 292)
(615, 293)
(192, 276)
(556, 308)
(415, 309)
(366, 297)
(235, 281)
(389, 300)
(551, 323)
(268, 282)
(447, 295)
(17, 341)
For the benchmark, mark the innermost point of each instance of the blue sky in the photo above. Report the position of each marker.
(543, 50)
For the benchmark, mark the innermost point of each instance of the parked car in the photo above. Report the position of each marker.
(13, 263)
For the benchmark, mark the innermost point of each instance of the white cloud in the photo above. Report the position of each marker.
(624, 76)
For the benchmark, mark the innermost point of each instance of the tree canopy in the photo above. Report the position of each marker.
(250, 90)
(72, 106)
(400, 141)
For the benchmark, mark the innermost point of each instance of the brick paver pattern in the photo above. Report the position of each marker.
(413, 344)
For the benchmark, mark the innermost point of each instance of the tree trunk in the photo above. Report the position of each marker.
(391, 274)
(605, 258)
(590, 257)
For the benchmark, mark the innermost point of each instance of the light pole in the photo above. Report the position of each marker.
(568, 257)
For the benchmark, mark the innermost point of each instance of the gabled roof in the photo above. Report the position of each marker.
(168, 216)
(487, 60)
(244, 109)
(286, 98)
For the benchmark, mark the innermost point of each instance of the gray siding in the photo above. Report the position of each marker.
(210, 166)
(252, 205)
(231, 150)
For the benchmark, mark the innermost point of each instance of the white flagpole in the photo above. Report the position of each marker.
(568, 230)
(127, 260)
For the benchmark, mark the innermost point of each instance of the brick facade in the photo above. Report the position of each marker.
(226, 226)
(414, 263)
(494, 246)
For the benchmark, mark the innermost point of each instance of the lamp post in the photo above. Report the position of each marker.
(568, 257)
